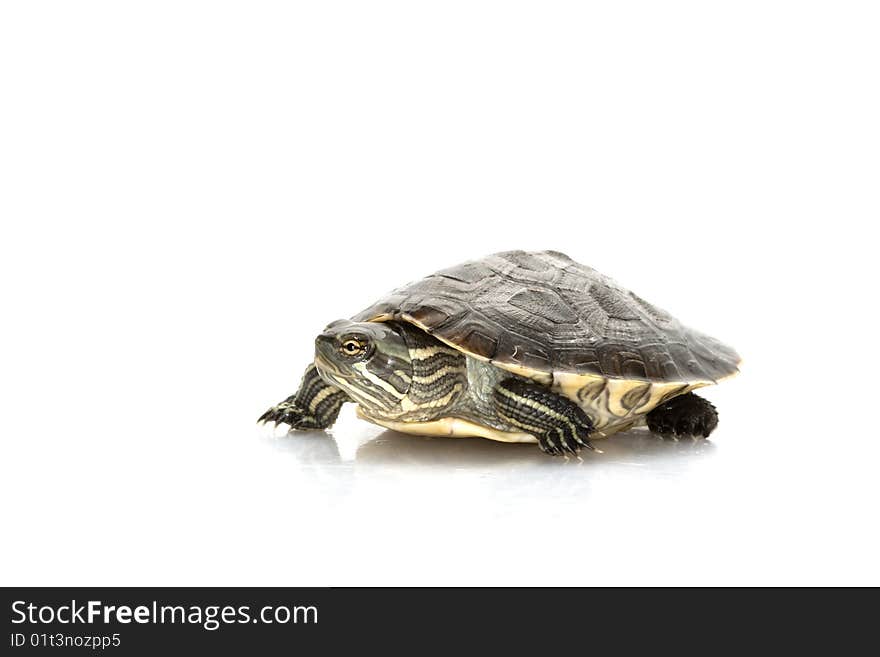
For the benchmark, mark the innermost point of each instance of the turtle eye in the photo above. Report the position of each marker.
(353, 347)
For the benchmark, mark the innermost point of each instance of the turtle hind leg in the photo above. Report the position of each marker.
(314, 406)
(684, 416)
(560, 425)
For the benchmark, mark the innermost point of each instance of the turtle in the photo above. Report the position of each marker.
(518, 347)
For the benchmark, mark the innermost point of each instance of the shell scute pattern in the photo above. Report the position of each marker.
(543, 304)
(545, 312)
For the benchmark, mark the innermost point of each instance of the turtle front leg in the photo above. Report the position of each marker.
(314, 406)
(685, 416)
(560, 425)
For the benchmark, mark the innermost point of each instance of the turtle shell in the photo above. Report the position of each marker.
(544, 312)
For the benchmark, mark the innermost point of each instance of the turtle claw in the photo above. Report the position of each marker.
(560, 425)
(548, 447)
(583, 441)
(291, 414)
(682, 417)
(574, 445)
(287, 413)
(305, 410)
(560, 442)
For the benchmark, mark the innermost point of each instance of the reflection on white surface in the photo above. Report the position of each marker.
(195, 498)
(505, 479)
(392, 450)
(747, 506)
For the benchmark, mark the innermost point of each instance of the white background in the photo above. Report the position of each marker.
(190, 191)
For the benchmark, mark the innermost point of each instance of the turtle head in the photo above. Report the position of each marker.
(368, 360)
